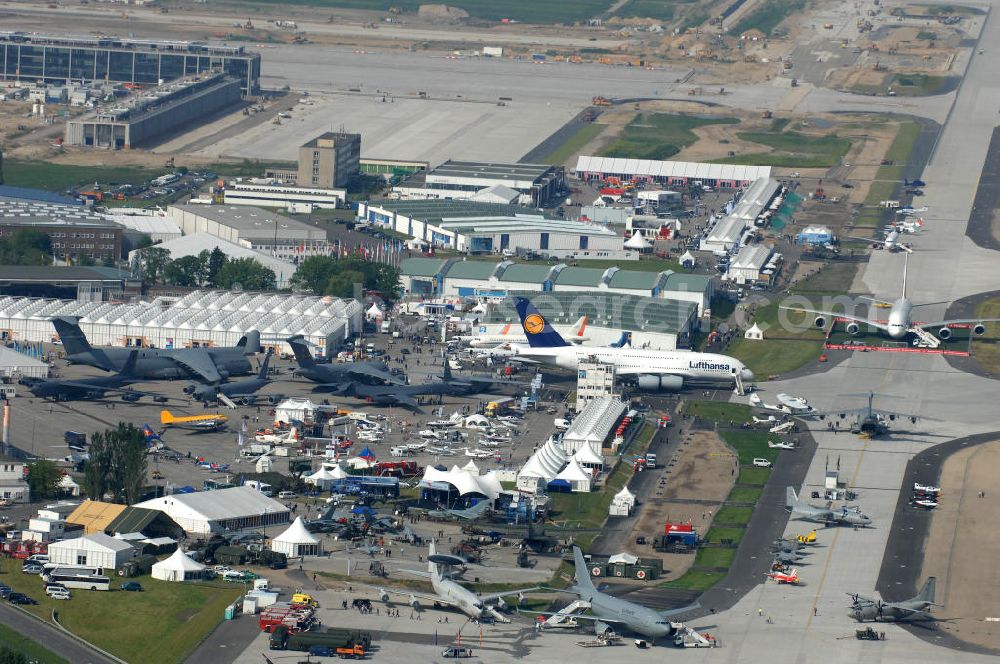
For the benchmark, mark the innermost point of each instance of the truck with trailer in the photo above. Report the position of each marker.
(293, 618)
(343, 642)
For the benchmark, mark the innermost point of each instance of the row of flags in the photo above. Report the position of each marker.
(385, 251)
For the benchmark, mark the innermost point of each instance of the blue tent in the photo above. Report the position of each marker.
(367, 454)
(362, 509)
(560, 486)
(185, 489)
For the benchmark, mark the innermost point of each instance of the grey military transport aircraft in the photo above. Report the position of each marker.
(845, 516)
(864, 609)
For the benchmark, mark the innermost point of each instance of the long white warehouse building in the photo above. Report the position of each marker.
(202, 318)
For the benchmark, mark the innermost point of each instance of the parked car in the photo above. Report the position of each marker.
(132, 586)
(457, 651)
(32, 568)
(284, 495)
(761, 463)
(57, 592)
(5, 591)
(20, 598)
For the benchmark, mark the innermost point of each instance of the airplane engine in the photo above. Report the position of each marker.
(944, 333)
(274, 399)
(246, 401)
(820, 322)
(660, 383)
(190, 389)
(414, 603)
(383, 596)
(979, 329)
(853, 328)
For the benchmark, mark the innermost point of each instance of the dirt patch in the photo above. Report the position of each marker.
(995, 226)
(963, 544)
(703, 471)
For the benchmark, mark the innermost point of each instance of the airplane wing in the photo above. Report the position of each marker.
(418, 595)
(368, 372)
(957, 321)
(507, 593)
(199, 362)
(874, 240)
(406, 400)
(123, 390)
(578, 616)
(831, 315)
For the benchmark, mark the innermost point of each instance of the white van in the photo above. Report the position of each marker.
(386, 326)
(57, 592)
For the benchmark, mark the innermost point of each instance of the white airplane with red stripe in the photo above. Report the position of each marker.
(512, 333)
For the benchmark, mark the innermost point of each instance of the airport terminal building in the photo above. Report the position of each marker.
(59, 58)
(670, 173)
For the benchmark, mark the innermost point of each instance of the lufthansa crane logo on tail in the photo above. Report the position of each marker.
(534, 324)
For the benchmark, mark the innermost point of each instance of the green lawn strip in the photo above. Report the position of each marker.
(745, 494)
(651, 265)
(830, 279)
(986, 349)
(716, 535)
(524, 11)
(917, 84)
(767, 16)
(161, 625)
(714, 557)
(661, 10)
(33, 650)
(792, 150)
(888, 177)
(718, 411)
(782, 350)
(733, 516)
(572, 145)
(60, 177)
(754, 476)
(659, 135)
(750, 445)
(695, 579)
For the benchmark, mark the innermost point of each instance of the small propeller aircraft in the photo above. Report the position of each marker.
(916, 608)
(791, 578)
(780, 445)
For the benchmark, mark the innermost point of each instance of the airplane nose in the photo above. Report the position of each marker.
(746, 374)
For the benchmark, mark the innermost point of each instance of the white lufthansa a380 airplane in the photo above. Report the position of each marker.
(651, 369)
(512, 334)
(900, 321)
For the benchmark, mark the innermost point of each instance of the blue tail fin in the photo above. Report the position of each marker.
(624, 340)
(538, 331)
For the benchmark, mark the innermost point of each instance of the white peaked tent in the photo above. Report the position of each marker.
(588, 458)
(178, 567)
(471, 467)
(578, 478)
(542, 467)
(297, 541)
(687, 259)
(637, 242)
(622, 503)
(624, 557)
(754, 333)
(476, 421)
(464, 481)
(374, 312)
(68, 486)
(322, 478)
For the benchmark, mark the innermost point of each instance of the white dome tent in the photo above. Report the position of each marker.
(464, 481)
(622, 503)
(624, 557)
(322, 478)
(579, 479)
(336, 470)
(178, 567)
(471, 467)
(637, 243)
(297, 541)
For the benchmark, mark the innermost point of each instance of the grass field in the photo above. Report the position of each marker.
(888, 177)
(695, 579)
(572, 145)
(661, 10)
(756, 476)
(792, 150)
(986, 349)
(781, 350)
(733, 515)
(719, 558)
(525, 11)
(165, 622)
(659, 135)
(33, 650)
(767, 17)
(749, 445)
(60, 177)
(717, 535)
(718, 411)
(917, 85)
(833, 279)
(745, 494)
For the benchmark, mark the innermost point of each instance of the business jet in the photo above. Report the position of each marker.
(890, 242)
(900, 322)
(651, 369)
(787, 403)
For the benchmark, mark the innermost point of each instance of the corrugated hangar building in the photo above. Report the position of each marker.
(85, 284)
(239, 222)
(75, 231)
(537, 183)
(477, 228)
(204, 318)
(653, 323)
(222, 510)
(755, 202)
(435, 277)
(679, 173)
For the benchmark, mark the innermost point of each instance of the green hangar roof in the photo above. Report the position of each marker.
(421, 267)
(579, 276)
(525, 274)
(604, 309)
(635, 280)
(471, 270)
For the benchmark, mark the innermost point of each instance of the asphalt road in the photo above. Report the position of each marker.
(50, 637)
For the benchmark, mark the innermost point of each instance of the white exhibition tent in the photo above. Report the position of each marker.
(687, 259)
(178, 567)
(624, 557)
(471, 467)
(588, 458)
(294, 410)
(297, 541)
(322, 478)
(464, 481)
(543, 466)
(637, 242)
(68, 486)
(578, 478)
(374, 312)
(622, 503)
